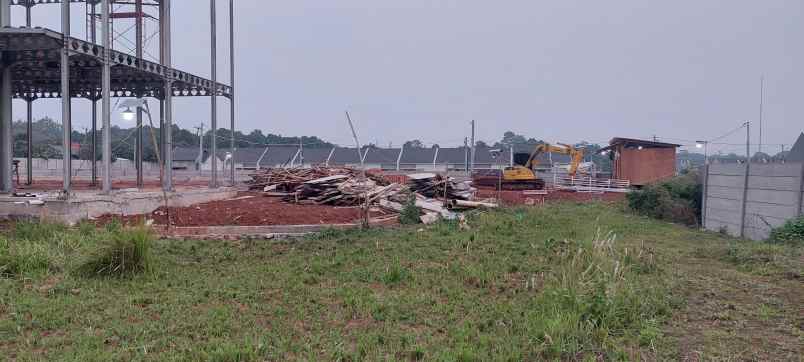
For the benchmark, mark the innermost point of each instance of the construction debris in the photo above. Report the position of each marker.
(437, 197)
(432, 185)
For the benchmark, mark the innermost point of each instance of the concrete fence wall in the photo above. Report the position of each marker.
(751, 205)
(41, 164)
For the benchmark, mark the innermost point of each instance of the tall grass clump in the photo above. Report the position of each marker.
(792, 232)
(676, 200)
(595, 297)
(125, 252)
(25, 258)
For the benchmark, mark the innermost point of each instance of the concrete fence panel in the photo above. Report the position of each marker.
(774, 194)
(726, 169)
(726, 181)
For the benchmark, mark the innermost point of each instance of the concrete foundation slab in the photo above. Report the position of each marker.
(88, 205)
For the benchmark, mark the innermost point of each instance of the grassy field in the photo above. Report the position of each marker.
(564, 282)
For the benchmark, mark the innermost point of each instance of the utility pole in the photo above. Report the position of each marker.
(200, 146)
(472, 152)
(761, 101)
(747, 173)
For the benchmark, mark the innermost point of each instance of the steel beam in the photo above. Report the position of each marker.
(106, 105)
(66, 98)
(213, 181)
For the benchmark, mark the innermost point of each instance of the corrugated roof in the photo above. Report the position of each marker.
(644, 143)
(345, 155)
(797, 152)
(247, 156)
(278, 155)
(418, 155)
(382, 155)
(457, 155)
(187, 154)
(316, 155)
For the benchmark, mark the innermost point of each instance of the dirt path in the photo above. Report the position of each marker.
(736, 315)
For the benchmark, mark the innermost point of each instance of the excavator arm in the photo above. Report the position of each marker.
(575, 153)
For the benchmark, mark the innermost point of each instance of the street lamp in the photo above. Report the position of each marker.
(705, 146)
(128, 114)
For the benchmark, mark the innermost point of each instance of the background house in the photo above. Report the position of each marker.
(642, 162)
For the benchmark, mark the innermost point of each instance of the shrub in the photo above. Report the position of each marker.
(410, 213)
(792, 232)
(126, 252)
(676, 200)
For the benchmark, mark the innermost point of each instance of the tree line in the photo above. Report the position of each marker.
(47, 140)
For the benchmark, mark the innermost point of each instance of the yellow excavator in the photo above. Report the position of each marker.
(523, 177)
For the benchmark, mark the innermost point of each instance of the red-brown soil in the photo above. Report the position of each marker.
(248, 209)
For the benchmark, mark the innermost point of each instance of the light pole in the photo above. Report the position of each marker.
(705, 146)
(141, 105)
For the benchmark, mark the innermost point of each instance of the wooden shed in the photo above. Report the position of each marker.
(641, 162)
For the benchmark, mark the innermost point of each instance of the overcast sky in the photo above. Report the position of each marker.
(564, 70)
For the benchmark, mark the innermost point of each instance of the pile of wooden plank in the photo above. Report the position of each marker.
(288, 179)
(439, 187)
(437, 197)
(320, 185)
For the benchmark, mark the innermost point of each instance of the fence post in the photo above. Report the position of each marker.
(745, 198)
(704, 195)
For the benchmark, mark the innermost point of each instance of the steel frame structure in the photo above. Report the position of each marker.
(40, 63)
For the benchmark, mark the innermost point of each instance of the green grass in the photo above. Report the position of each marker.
(564, 282)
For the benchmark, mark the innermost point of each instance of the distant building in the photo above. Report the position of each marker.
(435, 159)
(642, 162)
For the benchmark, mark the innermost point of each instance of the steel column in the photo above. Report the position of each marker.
(213, 182)
(6, 149)
(66, 98)
(167, 182)
(29, 118)
(29, 143)
(139, 51)
(106, 104)
(232, 84)
(94, 138)
(94, 141)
